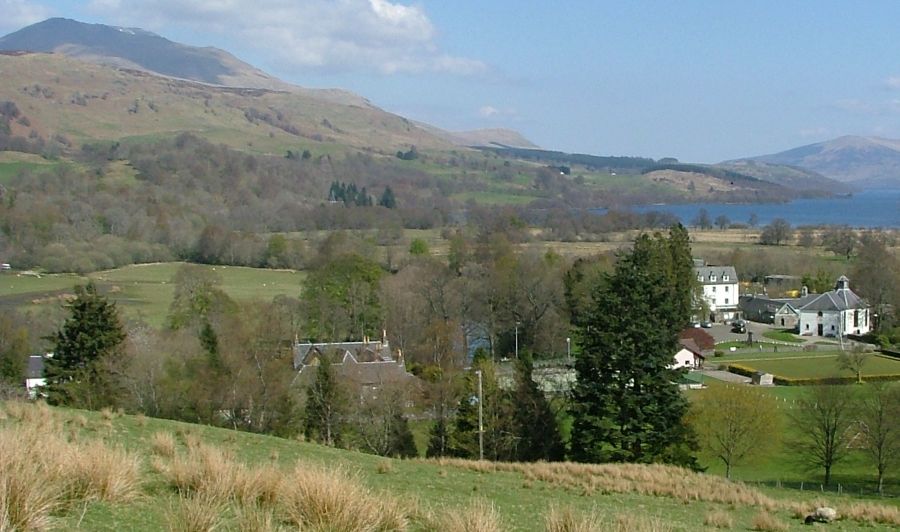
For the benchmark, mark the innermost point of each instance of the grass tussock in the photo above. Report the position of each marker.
(384, 467)
(644, 479)
(568, 520)
(99, 472)
(871, 513)
(328, 499)
(478, 516)
(196, 513)
(766, 522)
(163, 444)
(27, 498)
(255, 519)
(718, 519)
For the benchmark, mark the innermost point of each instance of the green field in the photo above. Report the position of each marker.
(783, 336)
(144, 290)
(634, 497)
(800, 365)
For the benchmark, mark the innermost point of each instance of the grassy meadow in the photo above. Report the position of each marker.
(66, 469)
(143, 291)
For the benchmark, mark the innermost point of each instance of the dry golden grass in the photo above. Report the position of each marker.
(639, 523)
(96, 471)
(27, 496)
(107, 414)
(871, 513)
(197, 513)
(163, 444)
(644, 479)
(568, 520)
(327, 499)
(719, 519)
(384, 467)
(479, 516)
(255, 519)
(766, 522)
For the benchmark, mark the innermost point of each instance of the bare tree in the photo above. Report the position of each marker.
(854, 361)
(879, 410)
(823, 419)
(736, 424)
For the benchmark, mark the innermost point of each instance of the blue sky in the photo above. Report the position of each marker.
(701, 81)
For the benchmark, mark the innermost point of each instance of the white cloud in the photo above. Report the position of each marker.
(380, 35)
(15, 14)
(489, 111)
(893, 82)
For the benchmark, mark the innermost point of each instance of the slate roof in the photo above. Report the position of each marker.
(841, 298)
(691, 346)
(367, 363)
(700, 338)
(705, 273)
(35, 369)
(367, 351)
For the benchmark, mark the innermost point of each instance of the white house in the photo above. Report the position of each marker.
(688, 356)
(34, 375)
(836, 313)
(720, 290)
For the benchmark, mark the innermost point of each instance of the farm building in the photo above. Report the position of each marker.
(836, 313)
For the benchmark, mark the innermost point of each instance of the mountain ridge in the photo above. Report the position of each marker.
(858, 161)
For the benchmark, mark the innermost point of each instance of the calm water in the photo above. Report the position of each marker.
(871, 208)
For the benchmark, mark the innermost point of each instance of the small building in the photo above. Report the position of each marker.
(688, 356)
(34, 375)
(369, 365)
(761, 378)
(762, 309)
(835, 313)
(720, 291)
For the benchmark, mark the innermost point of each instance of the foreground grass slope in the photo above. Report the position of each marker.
(106, 471)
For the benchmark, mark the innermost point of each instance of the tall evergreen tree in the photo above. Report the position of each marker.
(536, 430)
(499, 440)
(325, 407)
(387, 198)
(626, 405)
(79, 373)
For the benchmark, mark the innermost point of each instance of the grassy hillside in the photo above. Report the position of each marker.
(107, 471)
(143, 290)
(85, 102)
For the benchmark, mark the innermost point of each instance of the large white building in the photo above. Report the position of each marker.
(720, 290)
(837, 313)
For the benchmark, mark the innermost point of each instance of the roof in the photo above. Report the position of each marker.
(839, 299)
(362, 352)
(700, 338)
(35, 368)
(706, 274)
(756, 305)
(691, 346)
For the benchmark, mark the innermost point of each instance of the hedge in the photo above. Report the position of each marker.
(789, 381)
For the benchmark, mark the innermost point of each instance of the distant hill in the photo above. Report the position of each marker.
(482, 138)
(863, 162)
(792, 177)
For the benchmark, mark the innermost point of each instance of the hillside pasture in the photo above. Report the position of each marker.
(144, 291)
(233, 478)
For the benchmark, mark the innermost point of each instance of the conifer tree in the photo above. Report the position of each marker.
(79, 373)
(536, 430)
(626, 405)
(325, 406)
(499, 439)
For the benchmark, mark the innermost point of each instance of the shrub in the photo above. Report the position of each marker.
(568, 520)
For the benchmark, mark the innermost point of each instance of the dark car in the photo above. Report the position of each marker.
(738, 326)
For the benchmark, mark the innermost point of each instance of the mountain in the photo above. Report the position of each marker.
(862, 162)
(792, 177)
(482, 138)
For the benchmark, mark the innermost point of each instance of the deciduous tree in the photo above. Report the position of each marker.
(736, 424)
(822, 420)
(879, 411)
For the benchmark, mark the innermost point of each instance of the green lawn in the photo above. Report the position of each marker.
(817, 365)
(783, 336)
(144, 290)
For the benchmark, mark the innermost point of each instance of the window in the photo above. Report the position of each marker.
(726, 300)
(807, 326)
(725, 277)
(712, 277)
(714, 289)
(726, 286)
(856, 318)
(700, 277)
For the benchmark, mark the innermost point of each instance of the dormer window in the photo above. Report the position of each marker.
(712, 277)
(725, 277)
(700, 277)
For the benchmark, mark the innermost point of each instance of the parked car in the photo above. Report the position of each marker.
(739, 326)
(706, 324)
